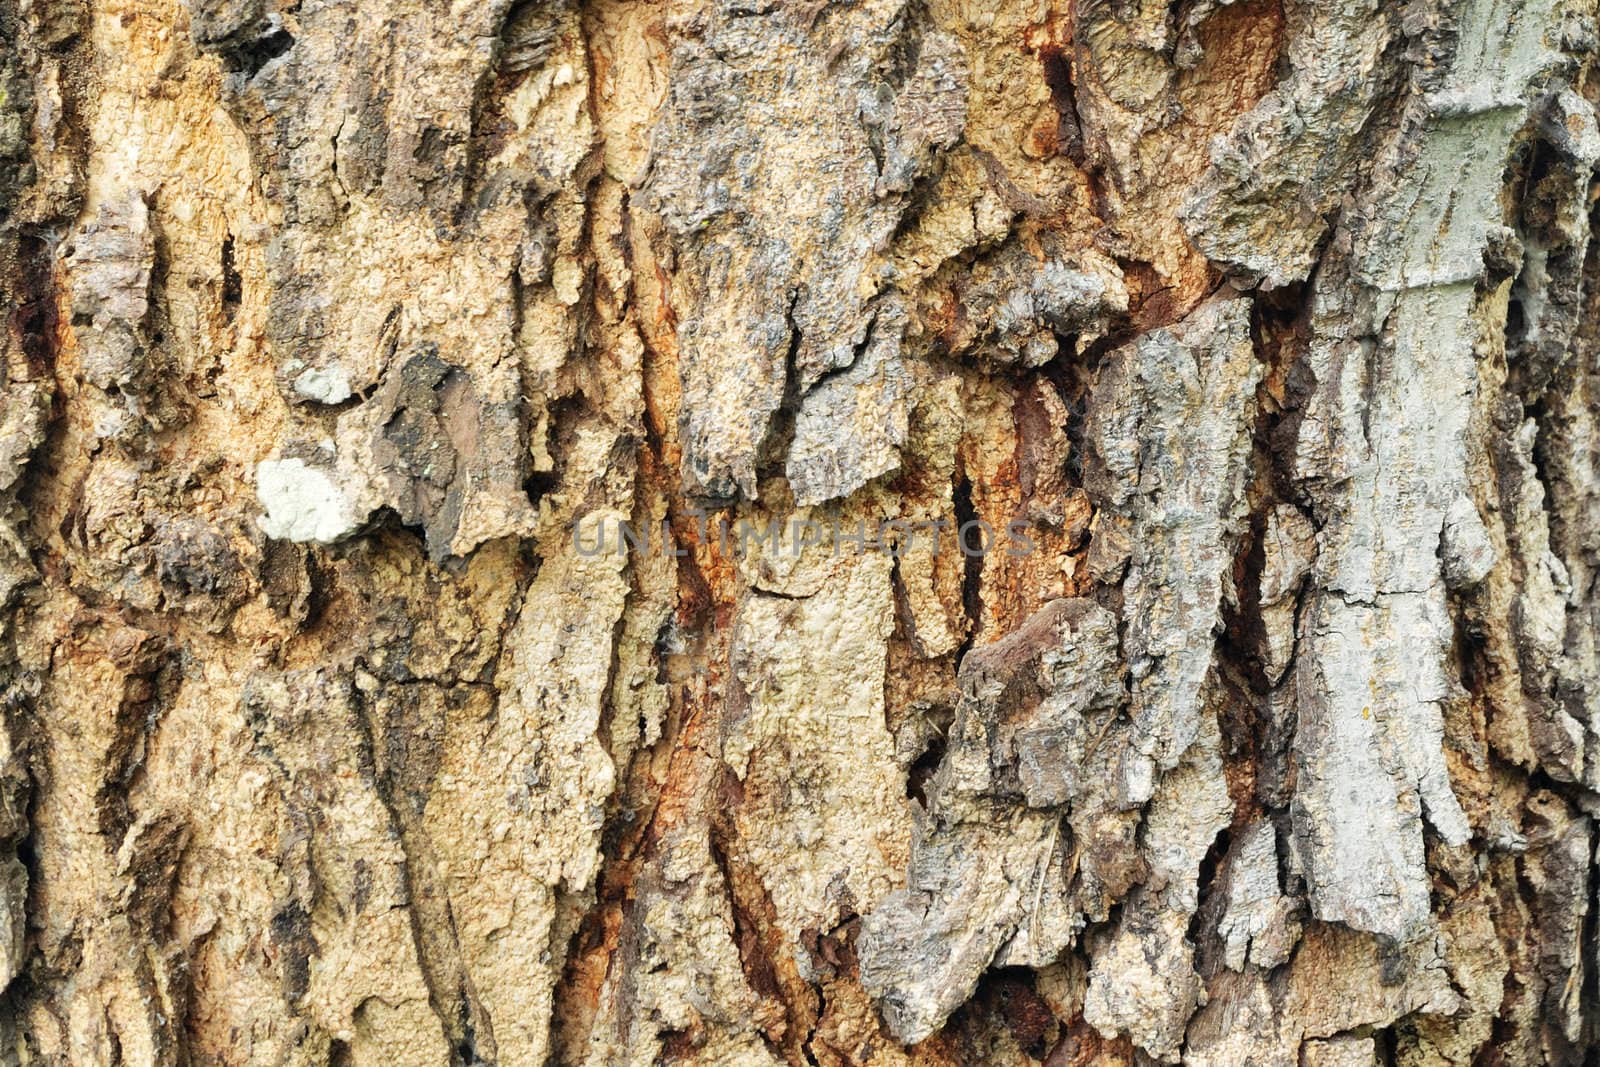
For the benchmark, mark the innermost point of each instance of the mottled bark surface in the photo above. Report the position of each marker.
(343, 725)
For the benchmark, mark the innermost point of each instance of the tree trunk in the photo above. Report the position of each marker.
(768, 532)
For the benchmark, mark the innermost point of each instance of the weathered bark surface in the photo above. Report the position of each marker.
(1263, 334)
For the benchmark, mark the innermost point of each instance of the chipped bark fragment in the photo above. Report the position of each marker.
(1560, 874)
(851, 426)
(1262, 207)
(1260, 922)
(110, 263)
(779, 285)
(812, 671)
(1362, 843)
(1190, 807)
(22, 429)
(1013, 307)
(1027, 751)
(1143, 982)
(1170, 429)
(346, 886)
(520, 793)
(1468, 553)
(449, 447)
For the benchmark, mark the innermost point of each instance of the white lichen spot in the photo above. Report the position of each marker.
(325, 385)
(303, 503)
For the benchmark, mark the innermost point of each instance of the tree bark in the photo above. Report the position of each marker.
(785, 532)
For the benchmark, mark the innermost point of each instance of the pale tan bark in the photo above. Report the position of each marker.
(1262, 335)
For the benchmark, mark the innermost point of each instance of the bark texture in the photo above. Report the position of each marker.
(480, 487)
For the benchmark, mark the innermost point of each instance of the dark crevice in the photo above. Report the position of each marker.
(388, 787)
(232, 284)
(759, 970)
(1386, 1047)
(1207, 877)
(772, 451)
(972, 567)
(924, 768)
(1012, 996)
(33, 318)
(1589, 995)
(466, 1049)
(1243, 628)
(1574, 794)
(1371, 352)
(527, 37)
(387, 518)
(1073, 379)
(1064, 98)
(249, 58)
(540, 484)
